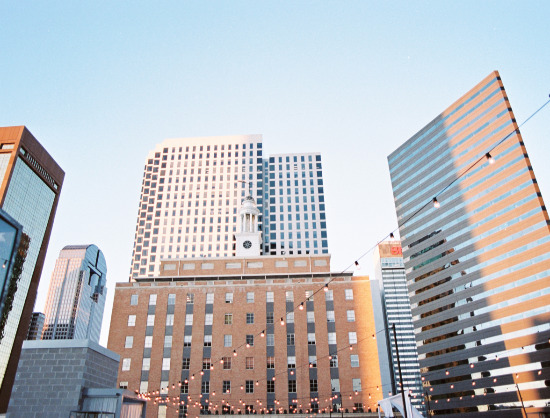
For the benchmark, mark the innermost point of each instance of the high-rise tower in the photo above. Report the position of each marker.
(477, 266)
(30, 184)
(76, 298)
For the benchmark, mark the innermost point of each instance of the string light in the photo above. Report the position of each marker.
(282, 321)
(490, 159)
(436, 203)
(326, 287)
(302, 306)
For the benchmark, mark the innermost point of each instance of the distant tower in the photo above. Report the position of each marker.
(76, 298)
(249, 238)
(36, 325)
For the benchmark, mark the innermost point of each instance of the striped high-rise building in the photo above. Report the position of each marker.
(477, 259)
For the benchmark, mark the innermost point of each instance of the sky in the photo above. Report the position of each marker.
(99, 83)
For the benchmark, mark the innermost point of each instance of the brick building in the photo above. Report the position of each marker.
(260, 333)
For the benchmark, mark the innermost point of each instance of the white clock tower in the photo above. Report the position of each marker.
(248, 239)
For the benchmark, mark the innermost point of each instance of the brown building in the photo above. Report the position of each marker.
(30, 184)
(247, 334)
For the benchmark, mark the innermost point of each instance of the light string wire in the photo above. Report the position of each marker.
(332, 278)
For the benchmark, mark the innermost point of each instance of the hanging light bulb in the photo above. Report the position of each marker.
(391, 235)
(302, 306)
(490, 158)
(262, 334)
(350, 347)
(282, 321)
(235, 353)
(435, 202)
(326, 287)
(373, 337)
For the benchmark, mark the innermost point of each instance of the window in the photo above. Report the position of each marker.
(129, 342)
(354, 358)
(134, 300)
(292, 386)
(205, 387)
(312, 361)
(228, 319)
(226, 386)
(349, 294)
(229, 298)
(328, 295)
(123, 385)
(309, 295)
(269, 317)
(226, 363)
(249, 386)
(208, 319)
(249, 297)
(335, 384)
(351, 315)
(358, 406)
(352, 337)
(311, 338)
(148, 341)
(209, 298)
(184, 387)
(189, 319)
(190, 298)
(208, 340)
(270, 340)
(332, 338)
(313, 385)
(249, 318)
(146, 364)
(356, 385)
(269, 296)
(131, 320)
(270, 362)
(227, 340)
(150, 320)
(165, 364)
(171, 299)
(290, 317)
(291, 362)
(185, 363)
(167, 341)
(270, 386)
(126, 364)
(289, 296)
(249, 363)
(290, 339)
(250, 340)
(206, 363)
(187, 341)
(310, 317)
(334, 360)
(330, 316)
(169, 320)
(152, 299)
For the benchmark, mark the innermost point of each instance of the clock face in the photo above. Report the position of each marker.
(247, 244)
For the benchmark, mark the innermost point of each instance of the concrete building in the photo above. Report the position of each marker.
(389, 272)
(76, 297)
(30, 184)
(36, 325)
(192, 190)
(477, 260)
(250, 333)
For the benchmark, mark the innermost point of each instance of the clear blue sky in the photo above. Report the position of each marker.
(99, 83)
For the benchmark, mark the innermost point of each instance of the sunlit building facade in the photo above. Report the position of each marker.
(76, 298)
(30, 184)
(477, 259)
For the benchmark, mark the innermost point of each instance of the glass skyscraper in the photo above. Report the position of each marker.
(30, 184)
(477, 266)
(76, 298)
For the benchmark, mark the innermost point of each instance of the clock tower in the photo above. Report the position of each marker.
(248, 239)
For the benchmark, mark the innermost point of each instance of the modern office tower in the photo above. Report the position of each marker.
(394, 297)
(294, 209)
(30, 184)
(193, 187)
(10, 237)
(477, 259)
(247, 333)
(76, 298)
(36, 325)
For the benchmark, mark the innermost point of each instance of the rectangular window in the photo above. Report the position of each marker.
(313, 385)
(226, 363)
(165, 364)
(354, 358)
(350, 315)
(169, 320)
(167, 341)
(249, 318)
(289, 339)
(270, 340)
(229, 298)
(311, 338)
(249, 363)
(126, 364)
(184, 387)
(335, 384)
(333, 360)
(249, 386)
(171, 299)
(189, 319)
(356, 385)
(146, 364)
(309, 295)
(310, 317)
(129, 342)
(290, 317)
(228, 320)
(208, 319)
(185, 363)
(131, 320)
(330, 316)
(208, 341)
(150, 320)
(250, 340)
(206, 363)
(249, 297)
(227, 340)
(226, 386)
(292, 386)
(143, 387)
(328, 295)
(289, 295)
(349, 294)
(291, 362)
(123, 385)
(270, 386)
(205, 387)
(148, 341)
(134, 300)
(269, 317)
(269, 296)
(270, 362)
(209, 298)
(352, 337)
(152, 299)
(187, 340)
(332, 338)
(190, 299)
(312, 361)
